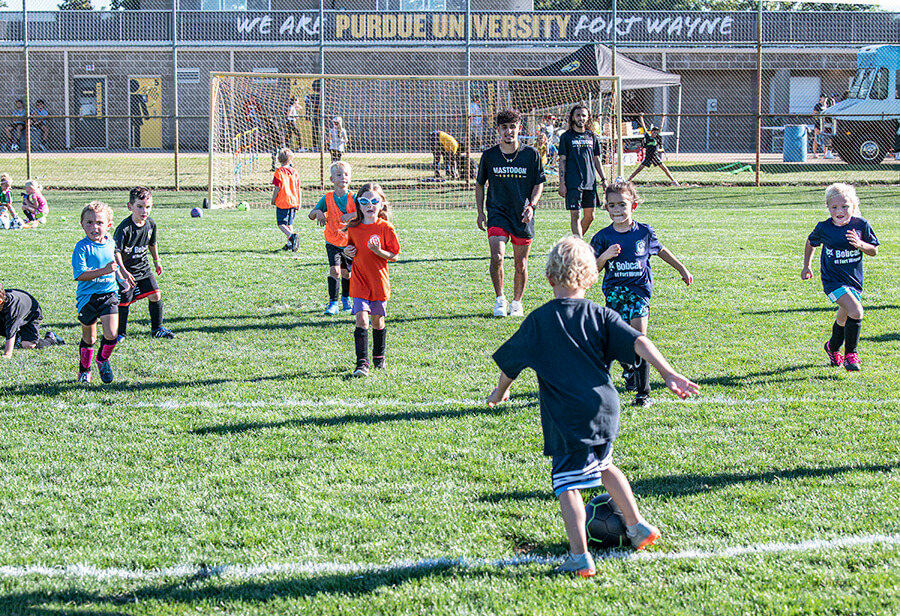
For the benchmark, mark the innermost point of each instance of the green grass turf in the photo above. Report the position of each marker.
(244, 441)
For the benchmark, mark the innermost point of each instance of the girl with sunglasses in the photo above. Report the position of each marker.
(372, 243)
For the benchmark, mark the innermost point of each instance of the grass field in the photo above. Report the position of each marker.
(238, 469)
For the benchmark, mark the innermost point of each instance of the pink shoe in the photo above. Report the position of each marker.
(836, 358)
(851, 362)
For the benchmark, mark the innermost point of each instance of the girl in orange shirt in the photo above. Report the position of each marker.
(372, 243)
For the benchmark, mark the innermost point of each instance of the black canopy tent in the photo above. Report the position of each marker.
(588, 61)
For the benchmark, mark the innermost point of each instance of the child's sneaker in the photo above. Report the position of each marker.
(500, 307)
(516, 309)
(851, 362)
(836, 359)
(641, 535)
(106, 373)
(286, 246)
(579, 564)
(294, 242)
(84, 377)
(362, 369)
(331, 309)
(378, 363)
(54, 338)
(162, 332)
(120, 338)
(642, 400)
(346, 304)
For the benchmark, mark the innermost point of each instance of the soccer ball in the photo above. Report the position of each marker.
(605, 524)
(242, 206)
(196, 212)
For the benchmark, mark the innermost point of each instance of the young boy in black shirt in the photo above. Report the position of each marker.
(134, 237)
(570, 343)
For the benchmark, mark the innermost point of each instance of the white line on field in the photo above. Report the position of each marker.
(393, 402)
(255, 571)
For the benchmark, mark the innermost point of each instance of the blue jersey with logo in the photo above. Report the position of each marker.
(631, 268)
(90, 255)
(841, 264)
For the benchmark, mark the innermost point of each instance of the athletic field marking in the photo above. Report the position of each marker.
(393, 403)
(255, 571)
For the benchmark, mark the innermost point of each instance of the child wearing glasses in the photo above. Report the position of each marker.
(371, 243)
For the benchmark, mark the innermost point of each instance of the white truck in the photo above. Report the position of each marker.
(864, 126)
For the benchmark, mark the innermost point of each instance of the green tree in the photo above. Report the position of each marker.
(75, 5)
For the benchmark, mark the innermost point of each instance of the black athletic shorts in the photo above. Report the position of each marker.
(336, 257)
(141, 289)
(577, 199)
(99, 305)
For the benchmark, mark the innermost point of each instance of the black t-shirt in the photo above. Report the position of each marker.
(510, 180)
(570, 344)
(132, 242)
(651, 146)
(19, 308)
(580, 150)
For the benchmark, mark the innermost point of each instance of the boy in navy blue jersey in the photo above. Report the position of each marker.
(845, 238)
(570, 343)
(624, 249)
(135, 237)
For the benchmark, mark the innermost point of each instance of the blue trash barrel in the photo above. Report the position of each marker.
(795, 143)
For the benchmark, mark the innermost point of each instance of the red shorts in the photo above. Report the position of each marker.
(499, 232)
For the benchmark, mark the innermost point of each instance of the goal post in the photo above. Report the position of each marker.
(388, 129)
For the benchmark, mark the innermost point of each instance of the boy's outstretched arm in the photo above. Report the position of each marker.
(681, 386)
(666, 255)
(501, 392)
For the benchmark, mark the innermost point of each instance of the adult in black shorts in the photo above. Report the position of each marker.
(580, 165)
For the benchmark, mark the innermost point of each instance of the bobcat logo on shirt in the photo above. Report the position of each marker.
(640, 247)
(829, 252)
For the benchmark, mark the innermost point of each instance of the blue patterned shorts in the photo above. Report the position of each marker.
(627, 303)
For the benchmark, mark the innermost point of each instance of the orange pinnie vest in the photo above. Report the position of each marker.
(335, 234)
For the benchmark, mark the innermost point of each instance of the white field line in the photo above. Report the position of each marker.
(394, 403)
(255, 571)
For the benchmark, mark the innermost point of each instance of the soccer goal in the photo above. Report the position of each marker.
(387, 128)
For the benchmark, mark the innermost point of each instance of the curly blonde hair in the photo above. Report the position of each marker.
(97, 207)
(571, 264)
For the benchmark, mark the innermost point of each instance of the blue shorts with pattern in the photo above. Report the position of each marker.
(627, 303)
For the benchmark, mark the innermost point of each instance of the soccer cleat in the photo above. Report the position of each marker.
(642, 400)
(84, 377)
(331, 309)
(54, 338)
(346, 304)
(362, 369)
(106, 373)
(120, 338)
(630, 385)
(378, 363)
(516, 309)
(835, 358)
(295, 242)
(286, 246)
(642, 534)
(579, 564)
(162, 332)
(851, 362)
(500, 307)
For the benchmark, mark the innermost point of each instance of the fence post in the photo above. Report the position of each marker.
(759, 29)
(175, 85)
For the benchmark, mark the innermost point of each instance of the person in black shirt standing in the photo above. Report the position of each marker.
(514, 176)
(579, 156)
(134, 237)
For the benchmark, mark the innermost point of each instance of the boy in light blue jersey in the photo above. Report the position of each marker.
(94, 267)
(845, 238)
(624, 249)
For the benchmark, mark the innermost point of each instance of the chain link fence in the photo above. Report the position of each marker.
(114, 98)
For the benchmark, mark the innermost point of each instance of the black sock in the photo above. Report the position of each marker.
(155, 315)
(837, 338)
(345, 287)
(123, 320)
(642, 376)
(361, 339)
(378, 343)
(332, 289)
(851, 339)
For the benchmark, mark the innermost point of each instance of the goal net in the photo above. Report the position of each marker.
(387, 129)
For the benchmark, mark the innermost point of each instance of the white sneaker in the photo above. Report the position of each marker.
(500, 306)
(828, 155)
(515, 309)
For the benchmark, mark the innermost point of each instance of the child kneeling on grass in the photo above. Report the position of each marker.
(570, 343)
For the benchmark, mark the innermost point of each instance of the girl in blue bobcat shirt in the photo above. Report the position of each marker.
(845, 238)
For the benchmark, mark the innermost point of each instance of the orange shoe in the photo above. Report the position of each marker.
(579, 564)
(642, 534)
